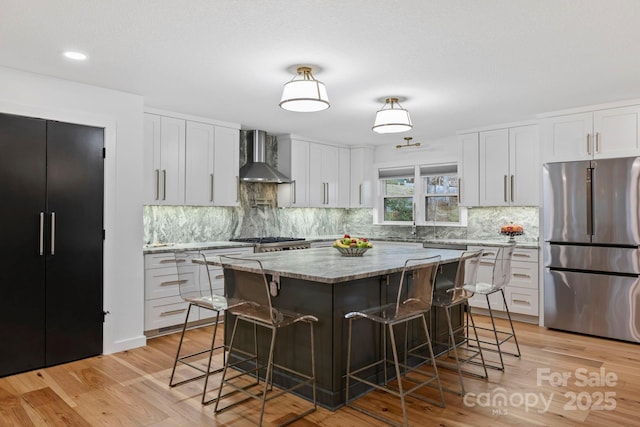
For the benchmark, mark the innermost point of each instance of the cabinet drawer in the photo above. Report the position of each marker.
(524, 275)
(480, 301)
(522, 300)
(160, 283)
(528, 255)
(159, 260)
(170, 311)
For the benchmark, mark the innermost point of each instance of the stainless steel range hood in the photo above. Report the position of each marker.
(257, 169)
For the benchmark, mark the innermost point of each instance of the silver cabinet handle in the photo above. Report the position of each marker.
(524, 276)
(588, 143)
(237, 188)
(294, 191)
(157, 184)
(459, 191)
(219, 276)
(327, 193)
(597, 142)
(41, 251)
(360, 194)
(511, 189)
(504, 185)
(172, 312)
(53, 233)
(172, 282)
(211, 188)
(520, 301)
(164, 184)
(521, 255)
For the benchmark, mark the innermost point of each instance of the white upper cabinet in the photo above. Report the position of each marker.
(293, 160)
(361, 192)
(190, 162)
(509, 167)
(599, 134)
(199, 159)
(315, 170)
(323, 175)
(164, 160)
(524, 165)
(344, 178)
(226, 183)
(494, 168)
(469, 174)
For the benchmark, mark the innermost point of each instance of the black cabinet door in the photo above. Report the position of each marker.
(75, 175)
(22, 272)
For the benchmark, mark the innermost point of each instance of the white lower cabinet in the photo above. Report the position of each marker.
(522, 291)
(164, 308)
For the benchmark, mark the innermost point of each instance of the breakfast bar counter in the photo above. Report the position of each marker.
(327, 285)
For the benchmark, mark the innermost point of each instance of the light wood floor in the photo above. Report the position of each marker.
(131, 389)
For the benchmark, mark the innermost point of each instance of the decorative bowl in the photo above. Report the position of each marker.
(351, 251)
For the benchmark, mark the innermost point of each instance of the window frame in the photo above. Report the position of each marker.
(419, 193)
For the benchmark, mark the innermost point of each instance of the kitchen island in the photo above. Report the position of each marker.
(323, 283)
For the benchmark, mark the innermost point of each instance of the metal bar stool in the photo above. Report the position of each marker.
(500, 278)
(458, 295)
(415, 295)
(252, 286)
(194, 283)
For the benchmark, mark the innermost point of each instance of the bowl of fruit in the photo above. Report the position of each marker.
(352, 246)
(512, 230)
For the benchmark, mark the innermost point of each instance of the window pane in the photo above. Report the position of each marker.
(441, 184)
(398, 209)
(398, 187)
(442, 209)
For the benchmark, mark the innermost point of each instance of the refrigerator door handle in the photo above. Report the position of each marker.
(53, 233)
(589, 202)
(41, 234)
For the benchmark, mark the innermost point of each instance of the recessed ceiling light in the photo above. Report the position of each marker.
(78, 56)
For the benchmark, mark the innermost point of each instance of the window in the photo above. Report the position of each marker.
(428, 193)
(397, 188)
(440, 184)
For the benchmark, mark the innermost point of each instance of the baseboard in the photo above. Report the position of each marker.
(124, 345)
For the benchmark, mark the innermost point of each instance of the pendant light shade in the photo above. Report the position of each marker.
(304, 93)
(392, 118)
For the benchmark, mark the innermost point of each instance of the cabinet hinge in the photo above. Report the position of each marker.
(104, 314)
(104, 153)
(104, 234)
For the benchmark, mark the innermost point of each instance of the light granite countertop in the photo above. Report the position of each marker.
(198, 246)
(326, 265)
(472, 242)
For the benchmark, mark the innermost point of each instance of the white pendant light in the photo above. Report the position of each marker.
(304, 93)
(392, 118)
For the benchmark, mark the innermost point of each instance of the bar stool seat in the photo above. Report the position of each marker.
(252, 286)
(194, 283)
(459, 339)
(500, 278)
(413, 301)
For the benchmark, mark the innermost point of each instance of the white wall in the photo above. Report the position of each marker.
(120, 114)
(446, 150)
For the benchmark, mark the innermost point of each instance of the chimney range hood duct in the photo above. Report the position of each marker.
(256, 169)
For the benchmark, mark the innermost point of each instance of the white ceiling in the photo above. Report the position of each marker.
(458, 63)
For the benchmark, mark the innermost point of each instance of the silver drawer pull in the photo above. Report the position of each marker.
(219, 276)
(521, 302)
(171, 261)
(172, 312)
(521, 255)
(172, 282)
(489, 254)
(486, 263)
(526, 276)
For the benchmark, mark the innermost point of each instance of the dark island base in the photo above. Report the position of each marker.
(330, 303)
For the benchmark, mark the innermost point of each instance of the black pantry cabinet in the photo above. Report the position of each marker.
(51, 247)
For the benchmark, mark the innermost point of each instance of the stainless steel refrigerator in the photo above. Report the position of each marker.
(591, 239)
